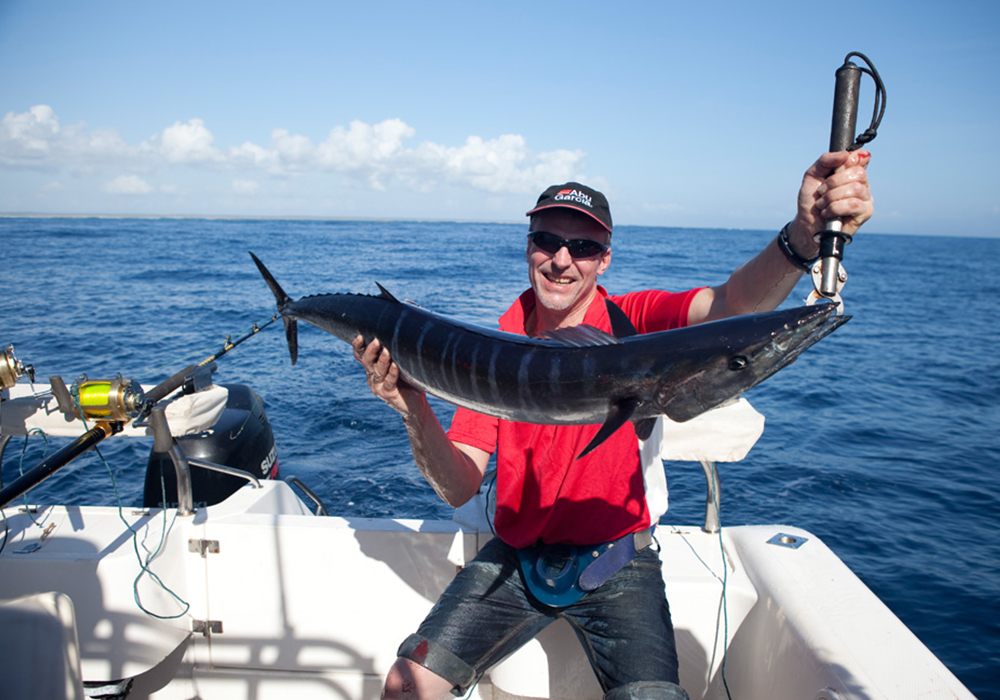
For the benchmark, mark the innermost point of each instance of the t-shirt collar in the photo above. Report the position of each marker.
(512, 321)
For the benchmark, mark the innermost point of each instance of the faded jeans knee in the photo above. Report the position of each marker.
(647, 690)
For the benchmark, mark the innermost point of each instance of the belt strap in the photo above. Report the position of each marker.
(559, 575)
(614, 559)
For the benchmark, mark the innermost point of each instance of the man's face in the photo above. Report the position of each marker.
(564, 284)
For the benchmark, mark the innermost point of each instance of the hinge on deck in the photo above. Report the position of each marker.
(207, 627)
(203, 547)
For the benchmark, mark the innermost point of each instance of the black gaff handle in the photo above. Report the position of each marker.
(845, 107)
(845, 120)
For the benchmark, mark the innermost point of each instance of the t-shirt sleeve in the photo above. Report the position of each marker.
(474, 429)
(655, 310)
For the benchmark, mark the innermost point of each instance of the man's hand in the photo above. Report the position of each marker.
(455, 471)
(835, 186)
(383, 377)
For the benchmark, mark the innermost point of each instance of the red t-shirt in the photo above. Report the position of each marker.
(543, 492)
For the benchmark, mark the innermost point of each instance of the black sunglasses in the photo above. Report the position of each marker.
(578, 247)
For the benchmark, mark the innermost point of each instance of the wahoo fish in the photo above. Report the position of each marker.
(573, 376)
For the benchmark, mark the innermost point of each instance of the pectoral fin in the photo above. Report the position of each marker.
(644, 427)
(292, 337)
(618, 415)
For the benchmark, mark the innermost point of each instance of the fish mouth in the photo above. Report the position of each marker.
(716, 378)
(812, 325)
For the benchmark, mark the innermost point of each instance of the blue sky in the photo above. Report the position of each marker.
(685, 114)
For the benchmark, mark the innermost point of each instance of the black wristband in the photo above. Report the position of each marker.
(794, 258)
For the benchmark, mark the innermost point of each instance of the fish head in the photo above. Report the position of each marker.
(728, 357)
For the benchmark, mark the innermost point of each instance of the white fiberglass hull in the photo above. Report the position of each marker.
(314, 607)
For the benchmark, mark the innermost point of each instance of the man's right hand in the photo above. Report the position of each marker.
(383, 377)
(454, 470)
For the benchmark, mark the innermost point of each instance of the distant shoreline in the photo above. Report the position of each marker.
(246, 217)
(388, 219)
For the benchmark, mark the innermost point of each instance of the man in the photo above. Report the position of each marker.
(555, 512)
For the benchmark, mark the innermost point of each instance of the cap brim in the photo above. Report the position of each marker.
(569, 206)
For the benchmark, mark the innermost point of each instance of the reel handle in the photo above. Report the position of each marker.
(832, 239)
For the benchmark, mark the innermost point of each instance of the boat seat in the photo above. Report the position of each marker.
(39, 653)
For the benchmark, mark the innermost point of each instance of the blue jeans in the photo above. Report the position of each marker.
(487, 613)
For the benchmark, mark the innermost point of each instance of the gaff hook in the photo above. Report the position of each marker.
(828, 279)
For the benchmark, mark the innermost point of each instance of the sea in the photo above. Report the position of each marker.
(883, 439)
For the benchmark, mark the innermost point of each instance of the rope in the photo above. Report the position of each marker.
(871, 132)
(20, 470)
(143, 565)
(144, 569)
(725, 580)
(20, 467)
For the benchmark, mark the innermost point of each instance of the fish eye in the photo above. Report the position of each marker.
(738, 362)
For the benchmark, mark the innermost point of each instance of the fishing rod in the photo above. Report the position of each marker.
(230, 343)
(829, 276)
(190, 375)
(109, 403)
(50, 465)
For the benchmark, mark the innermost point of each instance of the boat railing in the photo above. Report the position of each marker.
(223, 469)
(297, 483)
(724, 434)
(165, 443)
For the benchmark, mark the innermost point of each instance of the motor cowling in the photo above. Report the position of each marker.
(242, 438)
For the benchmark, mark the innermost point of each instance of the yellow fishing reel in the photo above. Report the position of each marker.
(117, 399)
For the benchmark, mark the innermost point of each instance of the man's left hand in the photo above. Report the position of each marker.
(835, 186)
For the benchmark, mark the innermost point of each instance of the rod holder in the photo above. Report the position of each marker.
(711, 525)
(164, 443)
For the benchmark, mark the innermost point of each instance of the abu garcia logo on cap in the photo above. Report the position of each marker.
(574, 196)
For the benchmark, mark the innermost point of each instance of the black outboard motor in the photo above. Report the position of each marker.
(242, 438)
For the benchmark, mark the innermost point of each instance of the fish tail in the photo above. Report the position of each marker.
(291, 325)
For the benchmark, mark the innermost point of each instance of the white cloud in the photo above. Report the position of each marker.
(377, 156)
(290, 151)
(128, 184)
(245, 187)
(188, 143)
(250, 155)
(29, 134)
(36, 139)
(501, 165)
(362, 146)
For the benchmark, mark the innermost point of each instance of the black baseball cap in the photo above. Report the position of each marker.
(573, 195)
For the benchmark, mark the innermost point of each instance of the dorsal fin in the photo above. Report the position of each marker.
(581, 336)
(386, 294)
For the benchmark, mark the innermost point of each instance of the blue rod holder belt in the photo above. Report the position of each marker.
(560, 574)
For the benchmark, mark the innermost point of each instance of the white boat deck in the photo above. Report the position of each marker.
(314, 607)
